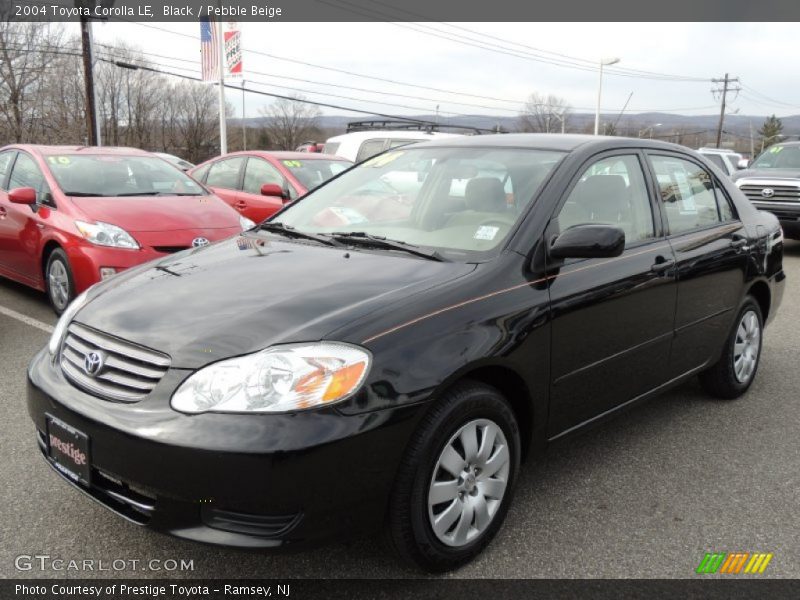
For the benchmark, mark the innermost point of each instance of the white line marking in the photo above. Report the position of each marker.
(26, 319)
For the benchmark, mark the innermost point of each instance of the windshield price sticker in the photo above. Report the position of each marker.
(294, 164)
(486, 232)
(383, 159)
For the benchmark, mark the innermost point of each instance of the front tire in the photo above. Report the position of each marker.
(59, 283)
(736, 369)
(456, 480)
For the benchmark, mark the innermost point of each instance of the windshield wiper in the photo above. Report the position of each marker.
(289, 231)
(378, 241)
(138, 194)
(84, 194)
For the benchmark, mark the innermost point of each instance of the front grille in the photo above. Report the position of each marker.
(170, 249)
(781, 193)
(128, 371)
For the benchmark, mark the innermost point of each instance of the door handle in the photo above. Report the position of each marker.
(241, 204)
(738, 242)
(662, 265)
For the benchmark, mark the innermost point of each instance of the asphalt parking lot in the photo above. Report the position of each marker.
(643, 496)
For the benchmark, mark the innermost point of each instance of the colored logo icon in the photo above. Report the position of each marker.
(734, 563)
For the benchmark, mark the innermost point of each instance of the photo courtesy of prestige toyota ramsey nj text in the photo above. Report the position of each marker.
(386, 352)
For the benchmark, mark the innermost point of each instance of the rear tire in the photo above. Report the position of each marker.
(59, 283)
(456, 481)
(736, 369)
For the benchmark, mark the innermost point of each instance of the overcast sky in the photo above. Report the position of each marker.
(763, 56)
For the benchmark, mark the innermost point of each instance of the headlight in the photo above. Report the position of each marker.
(104, 234)
(64, 321)
(279, 379)
(246, 223)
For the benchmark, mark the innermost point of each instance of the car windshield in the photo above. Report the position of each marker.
(460, 202)
(314, 172)
(116, 176)
(778, 157)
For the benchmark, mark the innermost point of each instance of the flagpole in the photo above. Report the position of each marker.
(223, 133)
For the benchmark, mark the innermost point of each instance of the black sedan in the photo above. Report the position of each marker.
(366, 360)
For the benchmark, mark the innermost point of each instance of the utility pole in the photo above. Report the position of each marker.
(244, 122)
(93, 131)
(223, 62)
(724, 91)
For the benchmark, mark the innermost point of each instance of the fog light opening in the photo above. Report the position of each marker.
(106, 272)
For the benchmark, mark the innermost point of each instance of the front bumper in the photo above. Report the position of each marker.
(257, 481)
(788, 214)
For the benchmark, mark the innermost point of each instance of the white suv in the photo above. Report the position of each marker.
(727, 160)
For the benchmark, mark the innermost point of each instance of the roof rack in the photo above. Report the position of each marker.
(414, 125)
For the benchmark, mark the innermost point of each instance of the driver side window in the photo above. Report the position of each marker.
(26, 173)
(611, 191)
(257, 173)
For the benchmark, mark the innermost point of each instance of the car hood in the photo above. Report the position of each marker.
(160, 213)
(767, 174)
(252, 291)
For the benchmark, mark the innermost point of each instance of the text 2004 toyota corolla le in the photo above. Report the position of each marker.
(367, 359)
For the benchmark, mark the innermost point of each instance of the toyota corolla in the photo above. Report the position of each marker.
(345, 366)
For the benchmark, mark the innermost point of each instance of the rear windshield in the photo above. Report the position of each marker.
(118, 176)
(314, 172)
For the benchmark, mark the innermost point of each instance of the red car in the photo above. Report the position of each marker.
(257, 184)
(71, 216)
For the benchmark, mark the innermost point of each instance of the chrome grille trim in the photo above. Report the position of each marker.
(783, 189)
(130, 371)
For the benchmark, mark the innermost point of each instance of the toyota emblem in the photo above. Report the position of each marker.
(768, 192)
(93, 363)
(200, 242)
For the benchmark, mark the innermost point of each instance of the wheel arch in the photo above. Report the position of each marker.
(762, 294)
(512, 385)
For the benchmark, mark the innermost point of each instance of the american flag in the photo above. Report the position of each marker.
(209, 49)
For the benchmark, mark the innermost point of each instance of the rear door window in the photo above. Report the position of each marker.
(688, 194)
(225, 173)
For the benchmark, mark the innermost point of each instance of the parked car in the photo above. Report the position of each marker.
(72, 216)
(727, 160)
(358, 146)
(183, 165)
(332, 379)
(310, 147)
(258, 183)
(772, 183)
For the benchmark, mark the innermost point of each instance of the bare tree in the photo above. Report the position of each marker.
(544, 114)
(289, 123)
(28, 52)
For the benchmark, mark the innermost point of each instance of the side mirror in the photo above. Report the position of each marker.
(743, 164)
(589, 241)
(26, 195)
(272, 189)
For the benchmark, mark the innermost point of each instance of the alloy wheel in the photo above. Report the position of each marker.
(58, 280)
(747, 346)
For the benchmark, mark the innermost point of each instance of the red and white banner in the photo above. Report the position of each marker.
(233, 49)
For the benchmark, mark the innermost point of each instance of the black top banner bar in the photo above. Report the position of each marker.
(403, 10)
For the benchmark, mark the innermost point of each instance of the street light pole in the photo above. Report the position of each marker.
(603, 63)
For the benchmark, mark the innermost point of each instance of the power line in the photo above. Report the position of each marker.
(571, 62)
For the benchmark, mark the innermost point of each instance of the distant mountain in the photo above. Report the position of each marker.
(689, 129)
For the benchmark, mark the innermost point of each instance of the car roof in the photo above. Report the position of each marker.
(564, 142)
(286, 155)
(45, 150)
(390, 133)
